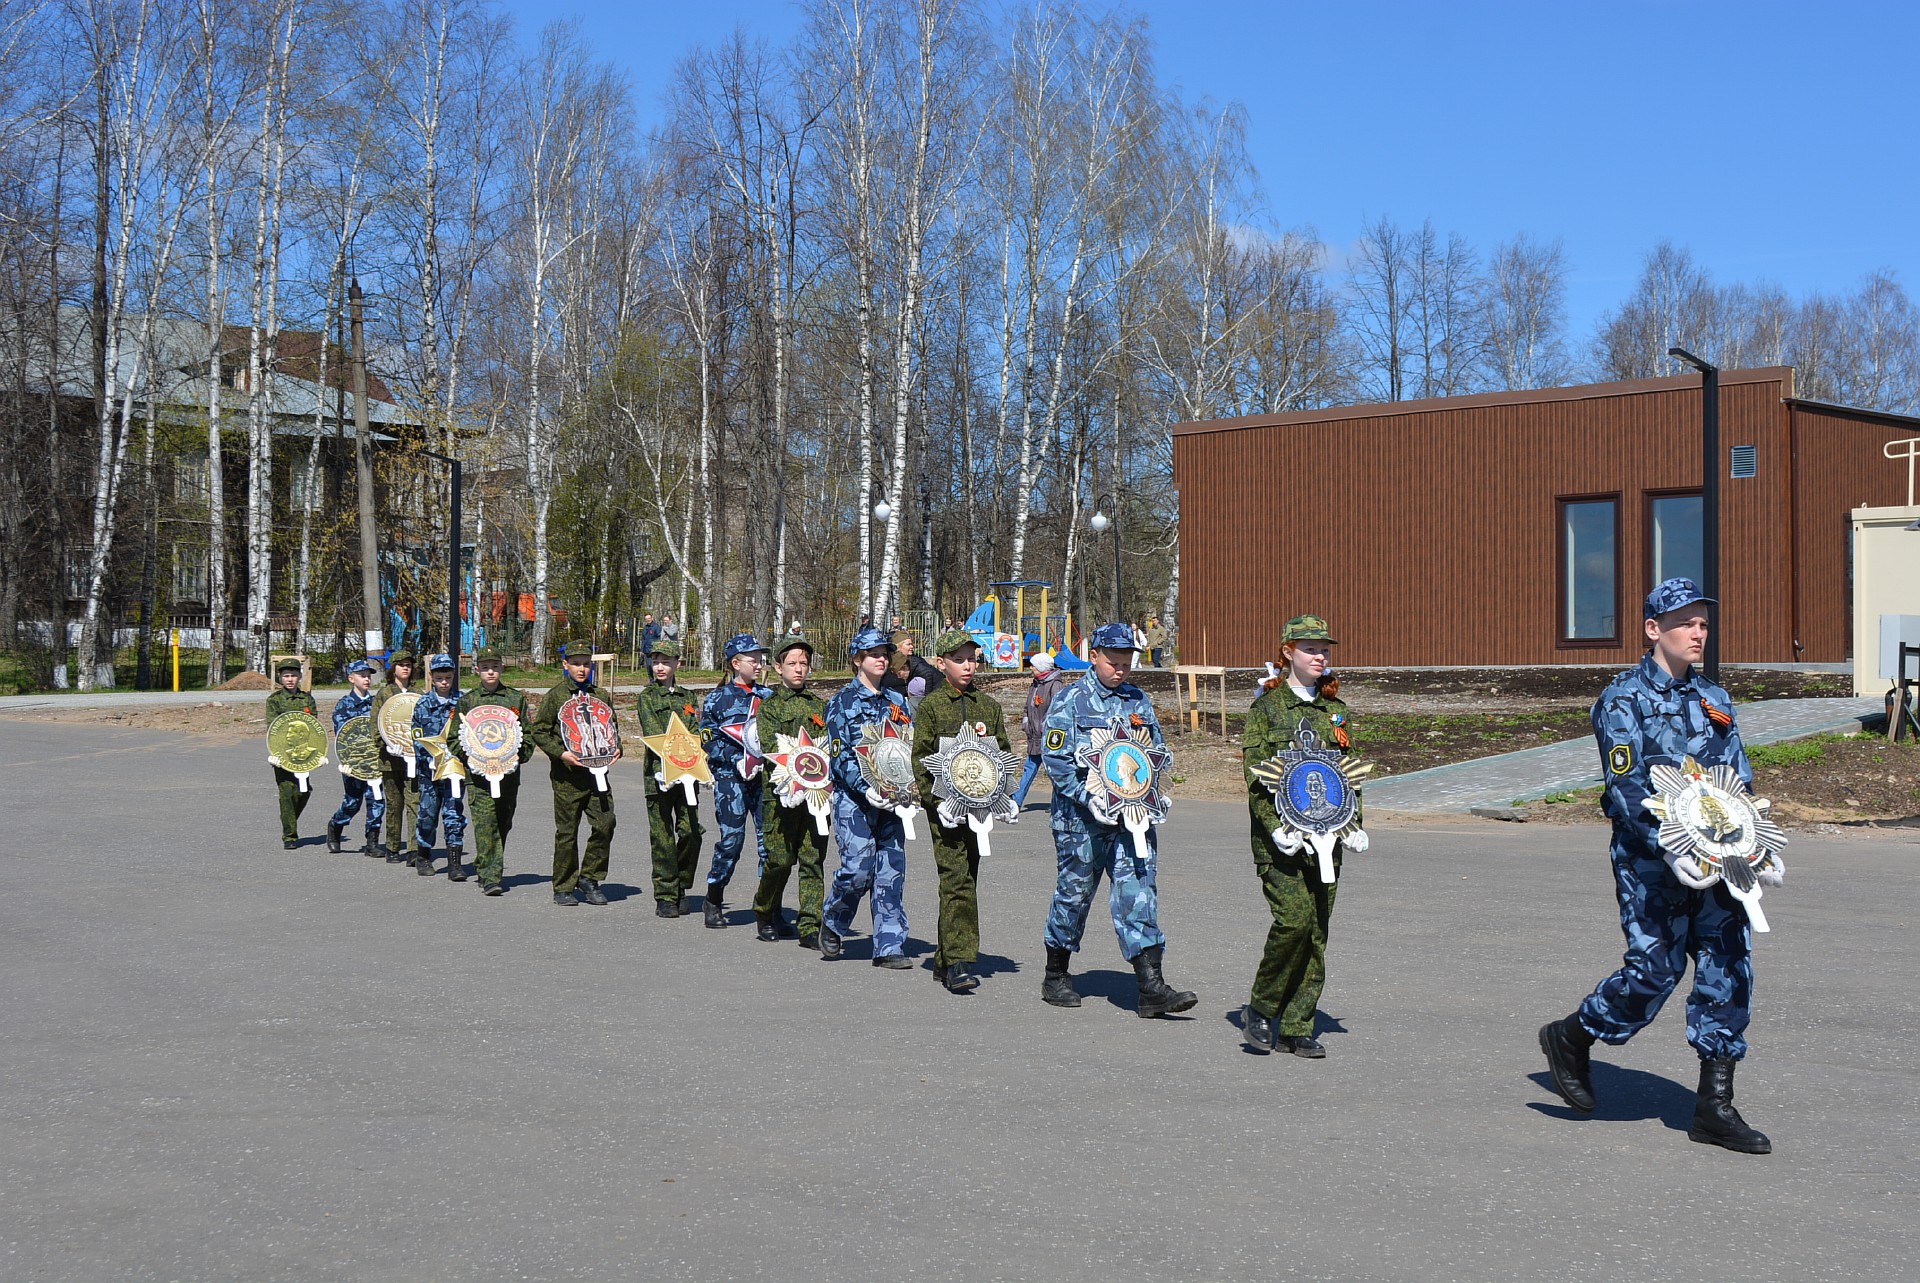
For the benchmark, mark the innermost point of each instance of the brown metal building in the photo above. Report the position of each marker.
(1525, 527)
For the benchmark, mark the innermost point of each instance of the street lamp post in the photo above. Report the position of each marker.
(1099, 524)
(1709, 498)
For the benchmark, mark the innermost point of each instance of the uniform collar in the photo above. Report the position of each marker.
(1658, 677)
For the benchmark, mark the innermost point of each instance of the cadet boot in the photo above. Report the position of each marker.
(767, 930)
(377, 850)
(829, 943)
(565, 899)
(492, 888)
(333, 837)
(1056, 988)
(1307, 1048)
(424, 865)
(666, 908)
(716, 906)
(960, 978)
(1257, 1030)
(892, 961)
(1715, 1120)
(588, 892)
(685, 905)
(289, 844)
(1157, 997)
(400, 857)
(811, 940)
(1567, 1043)
(456, 872)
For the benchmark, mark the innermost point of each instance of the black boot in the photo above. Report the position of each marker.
(959, 978)
(456, 872)
(1567, 1043)
(716, 906)
(333, 837)
(400, 857)
(666, 908)
(1715, 1120)
(1257, 1030)
(768, 931)
(424, 865)
(376, 849)
(1056, 988)
(829, 943)
(1157, 997)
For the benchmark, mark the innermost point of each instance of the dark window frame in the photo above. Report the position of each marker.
(1561, 597)
(1646, 525)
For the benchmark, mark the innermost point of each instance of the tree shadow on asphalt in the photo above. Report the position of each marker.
(1623, 1096)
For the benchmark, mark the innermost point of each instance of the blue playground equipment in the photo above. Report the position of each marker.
(1008, 637)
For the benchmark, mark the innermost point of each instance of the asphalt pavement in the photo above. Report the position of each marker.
(225, 1061)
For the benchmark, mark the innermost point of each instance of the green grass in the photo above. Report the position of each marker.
(1800, 752)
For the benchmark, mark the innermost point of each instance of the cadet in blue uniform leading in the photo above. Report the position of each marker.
(1662, 711)
(1085, 848)
(440, 806)
(870, 838)
(737, 773)
(357, 702)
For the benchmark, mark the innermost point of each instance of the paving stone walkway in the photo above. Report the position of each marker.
(1533, 773)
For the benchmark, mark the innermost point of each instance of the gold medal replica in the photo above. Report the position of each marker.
(297, 744)
(440, 755)
(490, 736)
(396, 726)
(1707, 815)
(683, 757)
(359, 746)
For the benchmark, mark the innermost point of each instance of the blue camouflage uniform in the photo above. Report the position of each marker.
(1647, 716)
(872, 842)
(352, 705)
(438, 806)
(734, 799)
(1084, 847)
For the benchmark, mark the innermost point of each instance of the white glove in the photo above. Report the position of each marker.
(877, 802)
(1689, 873)
(1355, 841)
(1774, 874)
(272, 760)
(1289, 841)
(660, 778)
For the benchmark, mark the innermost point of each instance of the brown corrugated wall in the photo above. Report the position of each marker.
(1427, 532)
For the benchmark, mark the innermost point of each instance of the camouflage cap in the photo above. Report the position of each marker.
(791, 641)
(868, 638)
(1112, 637)
(359, 666)
(489, 657)
(402, 657)
(442, 663)
(1307, 628)
(1672, 594)
(742, 644)
(953, 639)
(576, 648)
(287, 665)
(664, 646)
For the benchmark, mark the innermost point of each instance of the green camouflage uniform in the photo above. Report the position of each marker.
(956, 852)
(673, 823)
(492, 816)
(574, 796)
(292, 800)
(1293, 969)
(792, 837)
(402, 794)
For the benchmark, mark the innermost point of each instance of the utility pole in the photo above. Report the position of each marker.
(1709, 499)
(363, 473)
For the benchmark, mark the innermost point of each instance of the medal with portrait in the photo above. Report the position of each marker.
(973, 778)
(298, 744)
(1707, 815)
(1126, 774)
(1316, 792)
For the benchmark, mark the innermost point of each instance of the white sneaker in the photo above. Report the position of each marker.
(1012, 819)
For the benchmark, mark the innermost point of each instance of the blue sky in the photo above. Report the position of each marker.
(1776, 141)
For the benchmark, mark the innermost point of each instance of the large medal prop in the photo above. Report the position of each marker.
(973, 778)
(1126, 775)
(885, 757)
(490, 736)
(802, 775)
(297, 744)
(1316, 792)
(359, 745)
(747, 735)
(590, 733)
(395, 723)
(683, 757)
(1707, 815)
(440, 755)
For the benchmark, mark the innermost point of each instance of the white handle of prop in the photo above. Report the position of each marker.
(820, 811)
(408, 759)
(981, 828)
(1750, 901)
(906, 814)
(1138, 827)
(302, 777)
(379, 794)
(686, 786)
(493, 784)
(599, 778)
(1323, 848)
(454, 780)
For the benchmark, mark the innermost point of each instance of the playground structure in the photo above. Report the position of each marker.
(1007, 638)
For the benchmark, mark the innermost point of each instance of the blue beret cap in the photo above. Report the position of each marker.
(1113, 637)
(359, 666)
(441, 661)
(868, 638)
(1673, 594)
(742, 644)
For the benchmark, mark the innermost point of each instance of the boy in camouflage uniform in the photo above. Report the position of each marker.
(1293, 969)
(792, 837)
(440, 806)
(357, 702)
(944, 710)
(287, 697)
(870, 838)
(575, 881)
(402, 794)
(492, 816)
(724, 717)
(673, 823)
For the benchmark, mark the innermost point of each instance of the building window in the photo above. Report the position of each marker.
(190, 480)
(1590, 571)
(189, 573)
(300, 482)
(1675, 532)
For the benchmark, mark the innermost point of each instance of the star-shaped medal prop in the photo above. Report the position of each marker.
(683, 758)
(445, 765)
(1707, 815)
(747, 735)
(802, 775)
(885, 756)
(973, 777)
(1316, 792)
(1127, 775)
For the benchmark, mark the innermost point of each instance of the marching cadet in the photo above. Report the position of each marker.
(792, 838)
(673, 823)
(1086, 848)
(440, 806)
(1663, 711)
(1279, 1015)
(402, 794)
(871, 838)
(736, 797)
(492, 816)
(575, 881)
(357, 702)
(289, 698)
(943, 710)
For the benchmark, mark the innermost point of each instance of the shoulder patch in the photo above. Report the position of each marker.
(1056, 739)
(1620, 759)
